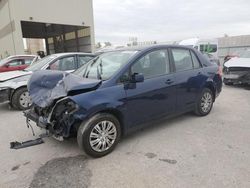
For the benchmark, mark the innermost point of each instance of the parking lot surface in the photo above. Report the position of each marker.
(186, 151)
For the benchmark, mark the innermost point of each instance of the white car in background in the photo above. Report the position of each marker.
(13, 85)
(237, 70)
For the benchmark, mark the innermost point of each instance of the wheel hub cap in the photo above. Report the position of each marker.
(103, 136)
(206, 102)
(25, 100)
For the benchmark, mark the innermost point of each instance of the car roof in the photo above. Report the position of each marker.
(18, 56)
(155, 46)
(72, 53)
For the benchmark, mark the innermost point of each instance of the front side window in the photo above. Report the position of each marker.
(182, 59)
(153, 64)
(63, 64)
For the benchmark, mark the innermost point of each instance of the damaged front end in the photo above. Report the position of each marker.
(236, 75)
(53, 109)
(57, 119)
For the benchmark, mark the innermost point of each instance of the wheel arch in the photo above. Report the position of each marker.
(211, 86)
(116, 113)
(14, 90)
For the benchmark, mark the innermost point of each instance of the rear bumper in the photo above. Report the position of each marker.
(4, 95)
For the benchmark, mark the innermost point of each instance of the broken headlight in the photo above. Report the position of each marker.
(63, 107)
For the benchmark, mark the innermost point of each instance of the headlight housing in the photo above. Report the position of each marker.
(64, 106)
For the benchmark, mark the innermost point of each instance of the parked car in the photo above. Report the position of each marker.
(237, 70)
(18, 62)
(120, 91)
(13, 85)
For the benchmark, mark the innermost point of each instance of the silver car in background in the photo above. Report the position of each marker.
(13, 85)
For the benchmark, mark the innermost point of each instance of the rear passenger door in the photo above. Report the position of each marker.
(188, 76)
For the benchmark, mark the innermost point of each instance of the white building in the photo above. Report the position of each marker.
(65, 25)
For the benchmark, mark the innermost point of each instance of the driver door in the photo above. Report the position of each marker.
(155, 96)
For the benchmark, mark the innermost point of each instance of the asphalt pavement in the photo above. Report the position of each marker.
(186, 151)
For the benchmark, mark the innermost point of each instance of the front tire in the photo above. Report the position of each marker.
(204, 103)
(99, 135)
(21, 99)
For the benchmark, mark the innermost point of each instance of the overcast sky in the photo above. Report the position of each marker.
(169, 20)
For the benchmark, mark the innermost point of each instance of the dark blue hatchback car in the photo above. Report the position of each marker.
(121, 91)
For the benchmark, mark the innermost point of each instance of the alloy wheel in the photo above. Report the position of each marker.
(206, 102)
(103, 136)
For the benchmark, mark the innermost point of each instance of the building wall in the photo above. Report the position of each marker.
(73, 12)
(6, 27)
(234, 45)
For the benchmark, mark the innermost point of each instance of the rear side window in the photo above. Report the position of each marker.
(195, 61)
(28, 61)
(182, 59)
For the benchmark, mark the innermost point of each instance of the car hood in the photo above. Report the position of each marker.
(5, 76)
(46, 86)
(238, 62)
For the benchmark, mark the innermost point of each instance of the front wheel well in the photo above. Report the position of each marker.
(115, 113)
(13, 91)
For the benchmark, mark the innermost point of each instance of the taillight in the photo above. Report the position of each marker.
(219, 71)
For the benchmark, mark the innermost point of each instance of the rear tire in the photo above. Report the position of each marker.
(99, 135)
(20, 99)
(204, 103)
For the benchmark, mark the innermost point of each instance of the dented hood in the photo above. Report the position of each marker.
(45, 86)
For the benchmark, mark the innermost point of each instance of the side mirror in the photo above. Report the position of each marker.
(137, 77)
(6, 65)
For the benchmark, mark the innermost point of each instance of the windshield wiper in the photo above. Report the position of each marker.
(99, 77)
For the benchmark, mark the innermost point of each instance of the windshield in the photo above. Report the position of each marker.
(40, 63)
(104, 66)
(246, 54)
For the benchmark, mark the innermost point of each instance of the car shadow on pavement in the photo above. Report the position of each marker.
(157, 125)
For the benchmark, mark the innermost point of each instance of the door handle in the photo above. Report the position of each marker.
(169, 81)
